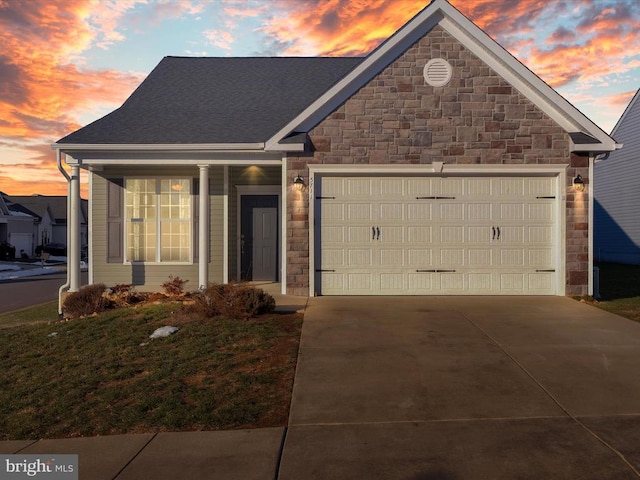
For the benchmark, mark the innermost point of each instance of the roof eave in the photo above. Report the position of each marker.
(158, 147)
(442, 13)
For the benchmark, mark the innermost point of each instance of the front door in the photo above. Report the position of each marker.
(259, 237)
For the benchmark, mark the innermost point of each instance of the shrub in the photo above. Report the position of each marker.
(174, 287)
(87, 300)
(121, 295)
(233, 301)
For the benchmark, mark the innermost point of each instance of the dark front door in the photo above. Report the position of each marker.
(259, 237)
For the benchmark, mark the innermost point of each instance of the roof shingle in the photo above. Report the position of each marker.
(200, 100)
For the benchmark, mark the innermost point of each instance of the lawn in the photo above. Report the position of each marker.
(102, 375)
(620, 290)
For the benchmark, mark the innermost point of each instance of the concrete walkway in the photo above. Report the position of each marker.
(422, 388)
(464, 388)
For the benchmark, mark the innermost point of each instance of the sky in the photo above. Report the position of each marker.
(66, 63)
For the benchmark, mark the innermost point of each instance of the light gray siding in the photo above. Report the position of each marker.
(617, 196)
(151, 276)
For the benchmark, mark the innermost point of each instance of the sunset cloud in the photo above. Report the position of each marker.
(62, 64)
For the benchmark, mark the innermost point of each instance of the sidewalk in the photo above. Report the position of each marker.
(420, 388)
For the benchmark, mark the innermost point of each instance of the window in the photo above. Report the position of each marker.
(158, 219)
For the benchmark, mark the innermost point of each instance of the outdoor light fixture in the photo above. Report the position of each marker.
(578, 183)
(298, 182)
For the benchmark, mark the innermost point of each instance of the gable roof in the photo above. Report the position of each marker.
(269, 104)
(55, 206)
(215, 100)
(585, 135)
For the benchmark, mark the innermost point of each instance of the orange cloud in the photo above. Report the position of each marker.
(42, 92)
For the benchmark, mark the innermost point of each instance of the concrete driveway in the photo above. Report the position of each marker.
(425, 388)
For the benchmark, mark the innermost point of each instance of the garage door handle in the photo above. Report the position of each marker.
(498, 233)
(373, 233)
(378, 230)
(435, 271)
(494, 233)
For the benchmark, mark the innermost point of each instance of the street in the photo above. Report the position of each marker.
(27, 291)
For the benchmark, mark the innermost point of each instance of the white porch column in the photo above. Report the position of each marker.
(203, 228)
(73, 242)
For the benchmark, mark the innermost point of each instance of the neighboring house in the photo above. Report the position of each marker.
(17, 230)
(617, 196)
(49, 216)
(438, 164)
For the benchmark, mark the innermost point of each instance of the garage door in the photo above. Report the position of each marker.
(435, 235)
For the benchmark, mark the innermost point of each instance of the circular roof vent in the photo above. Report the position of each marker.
(437, 72)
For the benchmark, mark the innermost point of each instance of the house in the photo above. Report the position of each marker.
(16, 231)
(49, 218)
(436, 165)
(617, 217)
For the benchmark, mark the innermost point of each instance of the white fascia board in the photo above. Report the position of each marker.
(156, 147)
(163, 162)
(523, 79)
(367, 69)
(629, 107)
(471, 36)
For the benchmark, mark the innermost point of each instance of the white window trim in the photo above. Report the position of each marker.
(126, 221)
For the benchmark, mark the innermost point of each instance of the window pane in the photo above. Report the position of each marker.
(158, 208)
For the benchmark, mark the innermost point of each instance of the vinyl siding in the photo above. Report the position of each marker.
(617, 197)
(152, 276)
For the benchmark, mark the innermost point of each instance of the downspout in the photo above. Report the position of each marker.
(591, 193)
(68, 178)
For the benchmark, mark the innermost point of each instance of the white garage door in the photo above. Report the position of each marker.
(435, 235)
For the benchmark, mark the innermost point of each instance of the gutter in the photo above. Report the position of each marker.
(68, 178)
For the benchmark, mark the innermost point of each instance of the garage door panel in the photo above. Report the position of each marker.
(391, 234)
(480, 282)
(333, 257)
(452, 257)
(332, 212)
(480, 257)
(514, 234)
(479, 211)
(420, 187)
(419, 212)
(511, 186)
(452, 212)
(540, 212)
(359, 212)
(358, 187)
(359, 257)
(463, 235)
(391, 212)
(333, 234)
(360, 282)
(392, 257)
(540, 234)
(420, 282)
(511, 257)
(392, 283)
(511, 211)
(420, 258)
(450, 186)
(420, 235)
(452, 282)
(451, 234)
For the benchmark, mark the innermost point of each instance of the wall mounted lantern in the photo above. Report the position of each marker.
(298, 183)
(578, 183)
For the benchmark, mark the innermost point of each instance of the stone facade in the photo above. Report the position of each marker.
(476, 119)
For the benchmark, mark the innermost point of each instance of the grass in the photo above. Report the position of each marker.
(620, 290)
(102, 375)
(47, 312)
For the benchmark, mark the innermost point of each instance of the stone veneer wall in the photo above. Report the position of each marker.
(478, 118)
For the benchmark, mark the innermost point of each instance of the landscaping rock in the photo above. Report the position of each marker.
(163, 332)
